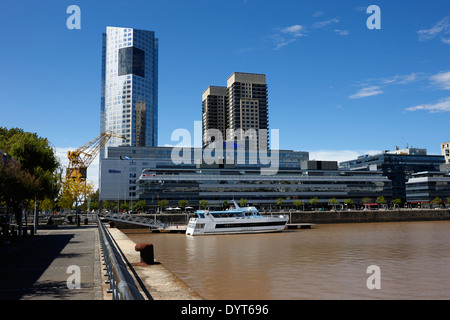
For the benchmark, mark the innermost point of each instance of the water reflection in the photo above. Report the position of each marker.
(326, 262)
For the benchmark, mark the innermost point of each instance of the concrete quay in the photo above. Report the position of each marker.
(154, 280)
(41, 267)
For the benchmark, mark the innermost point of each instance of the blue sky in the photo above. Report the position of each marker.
(336, 88)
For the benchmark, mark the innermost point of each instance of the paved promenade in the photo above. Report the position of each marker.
(36, 268)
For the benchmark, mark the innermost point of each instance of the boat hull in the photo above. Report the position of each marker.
(205, 226)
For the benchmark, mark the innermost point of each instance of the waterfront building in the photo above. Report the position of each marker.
(424, 187)
(129, 87)
(445, 150)
(122, 166)
(214, 114)
(398, 165)
(219, 186)
(238, 108)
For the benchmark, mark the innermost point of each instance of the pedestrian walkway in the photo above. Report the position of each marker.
(37, 267)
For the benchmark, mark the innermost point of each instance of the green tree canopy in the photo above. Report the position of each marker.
(366, 200)
(297, 203)
(16, 186)
(380, 200)
(204, 203)
(36, 156)
(279, 201)
(348, 202)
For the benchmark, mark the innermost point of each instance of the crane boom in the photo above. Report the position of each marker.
(81, 158)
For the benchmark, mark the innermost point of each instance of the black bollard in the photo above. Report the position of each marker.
(146, 252)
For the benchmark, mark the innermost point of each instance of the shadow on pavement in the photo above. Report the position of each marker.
(23, 264)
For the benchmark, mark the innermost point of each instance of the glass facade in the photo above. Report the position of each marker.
(129, 93)
(217, 186)
(426, 186)
(397, 167)
(118, 176)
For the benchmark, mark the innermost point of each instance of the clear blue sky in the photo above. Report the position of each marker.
(335, 87)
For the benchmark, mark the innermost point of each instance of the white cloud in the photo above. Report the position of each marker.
(323, 24)
(287, 35)
(442, 80)
(366, 92)
(93, 169)
(342, 32)
(295, 29)
(441, 27)
(440, 106)
(317, 14)
(372, 87)
(402, 79)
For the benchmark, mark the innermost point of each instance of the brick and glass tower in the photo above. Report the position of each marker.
(241, 105)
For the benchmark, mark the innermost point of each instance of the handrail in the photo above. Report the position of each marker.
(135, 219)
(122, 286)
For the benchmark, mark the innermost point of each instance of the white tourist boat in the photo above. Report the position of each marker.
(236, 220)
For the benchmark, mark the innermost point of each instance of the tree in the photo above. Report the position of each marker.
(35, 155)
(109, 205)
(183, 203)
(93, 202)
(348, 202)
(16, 186)
(397, 202)
(125, 206)
(47, 204)
(162, 204)
(298, 203)
(204, 203)
(366, 200)
(29, 173)
(314, 201)
(141, 205)
(437, 201)
(333, 202)
(243, 202)
(75, 191)
(279, 202)
(380, 200)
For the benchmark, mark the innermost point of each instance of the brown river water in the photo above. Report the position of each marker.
(329, 261)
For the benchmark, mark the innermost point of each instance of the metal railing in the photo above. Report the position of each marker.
(147, 221)
(122, 285)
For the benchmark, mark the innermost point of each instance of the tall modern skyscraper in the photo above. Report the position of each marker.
(245, 106)
(129, 89)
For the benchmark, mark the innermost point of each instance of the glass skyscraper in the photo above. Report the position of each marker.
(129, 88)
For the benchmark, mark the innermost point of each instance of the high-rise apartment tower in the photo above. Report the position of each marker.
(241, 105)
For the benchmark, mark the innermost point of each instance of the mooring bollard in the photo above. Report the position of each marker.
(146, 252)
